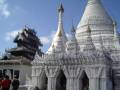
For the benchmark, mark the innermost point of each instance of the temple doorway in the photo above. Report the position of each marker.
(61, 81)
(85, 82)
(43, 81)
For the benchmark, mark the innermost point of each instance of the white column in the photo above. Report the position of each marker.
(34, 81)
(105, 84)
(93, 84)
(39, 82)
(72, 84)
(80, 85)
(51, 83)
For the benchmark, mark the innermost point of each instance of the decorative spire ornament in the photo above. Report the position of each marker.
(60, 38)
(89, 46)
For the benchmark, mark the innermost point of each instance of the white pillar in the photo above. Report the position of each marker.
(51, 83)
(39, 82)
(73, 84)
(105, 84)
(93, 84)
(34, 81)
(80, 85)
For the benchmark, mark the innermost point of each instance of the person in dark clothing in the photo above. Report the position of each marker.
(6, 83)
(15, 83)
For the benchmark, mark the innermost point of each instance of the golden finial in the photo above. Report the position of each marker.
(60, 33)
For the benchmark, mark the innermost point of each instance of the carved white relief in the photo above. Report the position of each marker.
(72, 71)
(94, 72)
(51, 71)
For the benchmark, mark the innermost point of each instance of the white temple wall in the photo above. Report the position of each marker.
(98, 79)
(24, 71)
(36, 76)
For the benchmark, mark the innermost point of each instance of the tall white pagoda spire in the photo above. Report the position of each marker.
(99, 21)
(60, 38)
(72, 47)
(95, 11)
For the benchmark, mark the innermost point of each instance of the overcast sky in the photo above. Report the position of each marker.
(42, 16)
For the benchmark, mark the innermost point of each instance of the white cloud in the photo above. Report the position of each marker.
(45, 40)
(4, 8)
(53, 34)
(68, 35)
(11, 35)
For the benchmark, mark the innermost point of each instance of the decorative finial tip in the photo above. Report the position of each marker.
(61, 9)
(73, 29)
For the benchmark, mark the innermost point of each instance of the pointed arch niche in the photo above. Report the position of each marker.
(43, 81)
(84, 81)
(61, 81)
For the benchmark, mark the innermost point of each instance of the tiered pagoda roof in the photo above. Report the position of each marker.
(27, 45)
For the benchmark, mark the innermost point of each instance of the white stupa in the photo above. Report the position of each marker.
(59, 41)
(91, 59)
(99, 21)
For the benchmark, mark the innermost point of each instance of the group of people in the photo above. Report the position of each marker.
(6, 83)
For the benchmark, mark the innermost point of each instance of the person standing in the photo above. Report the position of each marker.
(15, 83)
(6, 83)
